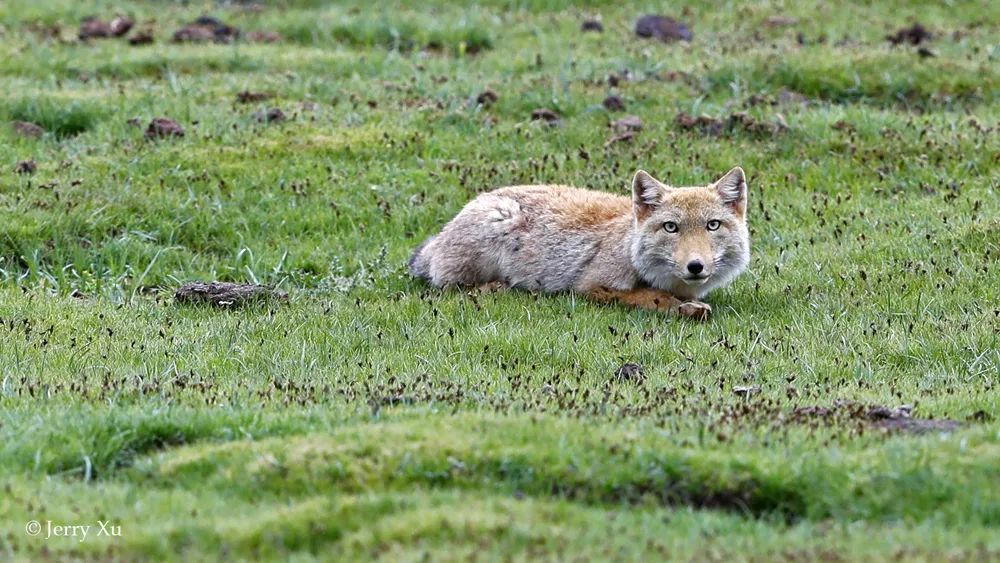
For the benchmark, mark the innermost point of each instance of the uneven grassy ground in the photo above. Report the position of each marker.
(372, 417)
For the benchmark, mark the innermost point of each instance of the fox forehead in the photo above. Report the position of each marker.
(701, 203)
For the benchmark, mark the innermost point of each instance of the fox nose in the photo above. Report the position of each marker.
(695, 267)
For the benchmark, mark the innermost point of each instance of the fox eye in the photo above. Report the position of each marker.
(670, 227)
(713, 225)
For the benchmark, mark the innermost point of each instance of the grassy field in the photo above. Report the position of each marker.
(370, 416)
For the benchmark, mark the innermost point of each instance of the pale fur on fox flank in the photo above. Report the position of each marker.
(662, 244)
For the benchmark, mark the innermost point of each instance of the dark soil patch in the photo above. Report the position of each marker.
(27, 129)
(143, 37)
(630, 372)
(487, 97)
(892, 419)
(25, 167)
(734, 122)
(204, 29)
(546, 115)
(249, 97)
(613, 103)
(592, 25)
(663, 28)
(272, 115)
(227, 295)
(914, 35)
(161, 127)
(94, 27)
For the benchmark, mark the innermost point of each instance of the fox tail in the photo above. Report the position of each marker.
(420, 263)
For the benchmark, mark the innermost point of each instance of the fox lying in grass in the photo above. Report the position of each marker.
(663, 250)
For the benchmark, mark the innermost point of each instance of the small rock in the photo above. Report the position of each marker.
(914, 35)
(162, 127)
(614, 103)
(630, 372)
(120, 25)
(546, 115)
(592, 25)
(487, 97)
(226, 295)
(926, 53)
(663, 28)
(627, 123)
(272, 115)
(25, 167)
(27, 129)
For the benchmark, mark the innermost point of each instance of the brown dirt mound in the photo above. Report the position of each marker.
(914, 35)
(25, 167)
(226, 295)
(614, 103)
(893, 419)
(736, 121)
(663, 28)
(27, 129)
(161, 127)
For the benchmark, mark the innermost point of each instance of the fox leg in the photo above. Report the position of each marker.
(651, 298)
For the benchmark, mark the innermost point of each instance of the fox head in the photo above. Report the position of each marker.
(690, 240)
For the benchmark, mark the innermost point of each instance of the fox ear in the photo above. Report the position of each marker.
(732, 188)
(647, 193)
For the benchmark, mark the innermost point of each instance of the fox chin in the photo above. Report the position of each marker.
(664, 248)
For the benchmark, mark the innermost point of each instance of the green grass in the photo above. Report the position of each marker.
(373, 417)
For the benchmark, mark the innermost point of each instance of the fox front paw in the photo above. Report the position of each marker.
(695, 310)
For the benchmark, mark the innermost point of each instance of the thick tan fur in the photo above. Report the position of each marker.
(660, 250)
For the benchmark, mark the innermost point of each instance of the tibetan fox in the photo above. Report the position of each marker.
(664, 249)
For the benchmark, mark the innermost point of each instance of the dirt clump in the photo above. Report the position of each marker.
(546, 115)
(27, 129)
(120, 26)
(272, 115)
(630, 372)
(613, 103)
(487, 97)
(663, 28)
(592, 25)
(914, 35)
(142, 37)
(25, 167)
(226, 295)
(734, 122)
(204, 29)
(899, 419)
(250, 97)
(161, 127)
